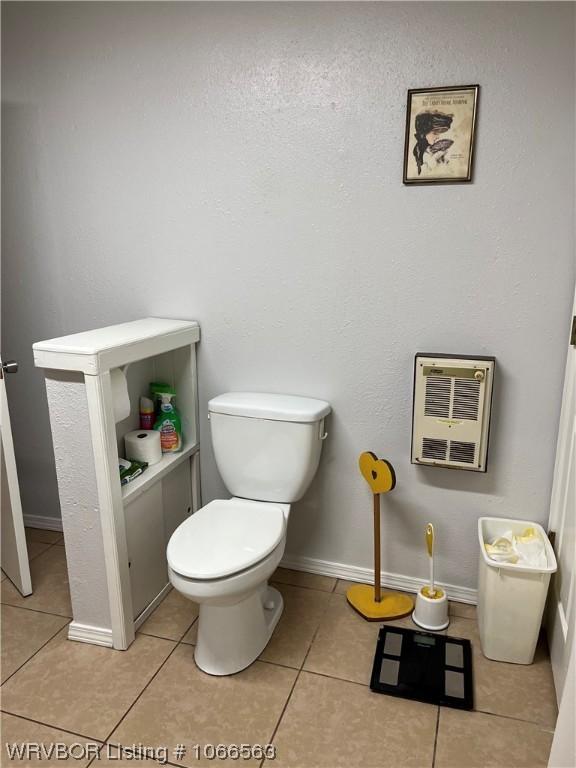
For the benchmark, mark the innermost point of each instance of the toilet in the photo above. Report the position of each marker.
(267, 448)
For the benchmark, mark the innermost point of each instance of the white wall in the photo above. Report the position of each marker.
(80, 511)
(241, 165)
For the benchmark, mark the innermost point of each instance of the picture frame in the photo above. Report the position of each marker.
(440, 134)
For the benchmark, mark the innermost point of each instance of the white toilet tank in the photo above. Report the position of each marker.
(267, 446)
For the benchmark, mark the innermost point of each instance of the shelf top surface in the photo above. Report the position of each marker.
(155, 472)
(115, 336)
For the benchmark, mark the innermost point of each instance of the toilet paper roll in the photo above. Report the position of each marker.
(143, 445)
(120, 397)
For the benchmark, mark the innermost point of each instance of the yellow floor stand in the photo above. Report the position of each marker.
(370, 602)
(392, 605)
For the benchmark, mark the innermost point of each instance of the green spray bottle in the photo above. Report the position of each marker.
(169, 424)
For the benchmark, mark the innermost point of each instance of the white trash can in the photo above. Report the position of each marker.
(511, 597)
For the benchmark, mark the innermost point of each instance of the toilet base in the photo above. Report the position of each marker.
(231, 637)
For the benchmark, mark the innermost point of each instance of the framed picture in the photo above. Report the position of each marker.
(439, 144)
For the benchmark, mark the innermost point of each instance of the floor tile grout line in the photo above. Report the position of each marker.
(299, 672)
(315, 635)
(548, 728)
(49, 547)
(35, 652)
(160, 637)
(181, 641)
(176, 645)
(96, 756)
(51, 725)
(300, 586)
(172, 639)
(331, 677)
(30, 559)
(34, 557)
(279, 664)
(436, 737)
(136, 760)
(258, 660)
(37, 610)
(37, 541)
(316, 631)
(274, 732)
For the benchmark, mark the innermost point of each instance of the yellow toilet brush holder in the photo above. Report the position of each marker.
(431, 611)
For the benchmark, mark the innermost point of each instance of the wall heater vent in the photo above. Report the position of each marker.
(452, 403)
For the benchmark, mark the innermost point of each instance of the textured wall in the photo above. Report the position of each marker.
(241, 165)
(79, 497)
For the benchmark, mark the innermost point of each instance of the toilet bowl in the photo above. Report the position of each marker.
(221, 559)
(267, 448)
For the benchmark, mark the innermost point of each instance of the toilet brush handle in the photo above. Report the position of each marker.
(430, 548)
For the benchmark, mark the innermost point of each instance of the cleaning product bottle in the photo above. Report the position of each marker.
(146, 413)
(156, 390)
(169, 424)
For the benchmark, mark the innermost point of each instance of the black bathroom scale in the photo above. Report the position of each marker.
(436, 669)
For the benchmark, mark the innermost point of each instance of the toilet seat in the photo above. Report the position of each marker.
(225, 537)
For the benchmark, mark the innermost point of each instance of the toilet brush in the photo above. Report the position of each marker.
(431, 592)
(431, 610)
(370, 602)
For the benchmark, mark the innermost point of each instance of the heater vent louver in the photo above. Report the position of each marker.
(452, 405)
(462, 452)
(466, 399)
(438, 390)
(434, 449)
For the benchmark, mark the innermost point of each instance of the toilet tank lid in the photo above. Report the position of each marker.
(259, 405)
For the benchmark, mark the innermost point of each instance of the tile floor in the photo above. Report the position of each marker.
(307, 694)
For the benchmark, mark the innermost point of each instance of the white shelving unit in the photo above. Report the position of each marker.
(156, 472)
(115, 535)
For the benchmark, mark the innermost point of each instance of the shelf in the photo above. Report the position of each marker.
(156, 472)
(97, 351)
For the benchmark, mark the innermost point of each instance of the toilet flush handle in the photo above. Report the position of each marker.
(322, 435)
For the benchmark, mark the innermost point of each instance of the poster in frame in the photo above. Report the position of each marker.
(440, 129)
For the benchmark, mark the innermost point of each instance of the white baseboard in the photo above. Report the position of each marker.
(366, 576)
(298, 563)
(45, 523)
(85, 633)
